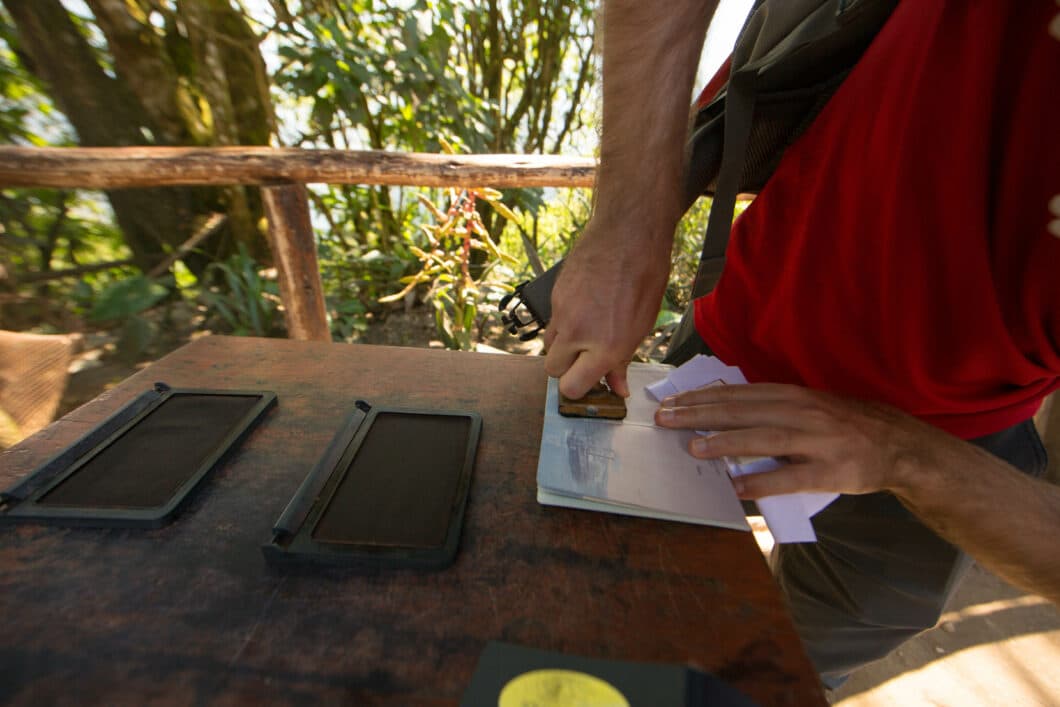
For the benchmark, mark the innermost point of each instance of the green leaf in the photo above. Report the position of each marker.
(470, 311)
(127, 297)
(666, 318)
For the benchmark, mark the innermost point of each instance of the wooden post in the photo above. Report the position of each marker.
(295, 254)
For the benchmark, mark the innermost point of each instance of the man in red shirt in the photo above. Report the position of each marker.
(892, 294)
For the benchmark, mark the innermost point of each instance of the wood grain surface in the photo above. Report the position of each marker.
(192, 614)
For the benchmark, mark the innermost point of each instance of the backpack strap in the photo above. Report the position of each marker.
(822, 34)
(793, 54)
(739, 111)
(789, 59)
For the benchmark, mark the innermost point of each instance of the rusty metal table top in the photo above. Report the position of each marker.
(192, 614)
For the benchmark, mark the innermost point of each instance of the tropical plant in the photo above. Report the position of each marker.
(493, 77)
(242, 297)
(515, 76)
(125, 301)
(458, 296)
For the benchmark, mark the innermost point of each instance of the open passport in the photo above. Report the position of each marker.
(631, 466)
(635, 468)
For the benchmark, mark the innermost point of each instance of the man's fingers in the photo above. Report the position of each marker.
(756, 442)
(585, 372)
(730, 415)
(548, 338)
(559, 358)
(579, 369)
(753, 392)
(793, 478)
(616, 379)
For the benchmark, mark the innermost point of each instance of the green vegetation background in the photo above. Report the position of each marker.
(418, 76)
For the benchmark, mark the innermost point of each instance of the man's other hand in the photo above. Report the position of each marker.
(829, 443)
(1006, 520)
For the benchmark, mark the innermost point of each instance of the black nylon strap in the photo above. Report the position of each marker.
(739, 110)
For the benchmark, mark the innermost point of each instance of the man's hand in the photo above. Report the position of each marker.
(1006, 520)
(830, 443)
(604, 303)
(607, 297)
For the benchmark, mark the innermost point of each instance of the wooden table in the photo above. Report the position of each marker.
(191, 613)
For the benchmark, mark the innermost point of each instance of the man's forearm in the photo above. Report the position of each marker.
(1007, 521)
(651, 52)
(607, 297)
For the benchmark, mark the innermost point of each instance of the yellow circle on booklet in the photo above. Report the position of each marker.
(559, 688)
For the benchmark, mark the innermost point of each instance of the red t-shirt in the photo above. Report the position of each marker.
(907, 248)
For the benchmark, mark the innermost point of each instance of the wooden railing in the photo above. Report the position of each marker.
(125, 167)
(282, 174)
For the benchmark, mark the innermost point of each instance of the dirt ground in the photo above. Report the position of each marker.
(995, 645)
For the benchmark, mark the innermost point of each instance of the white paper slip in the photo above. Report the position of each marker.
(788, 516)
(697, 372)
